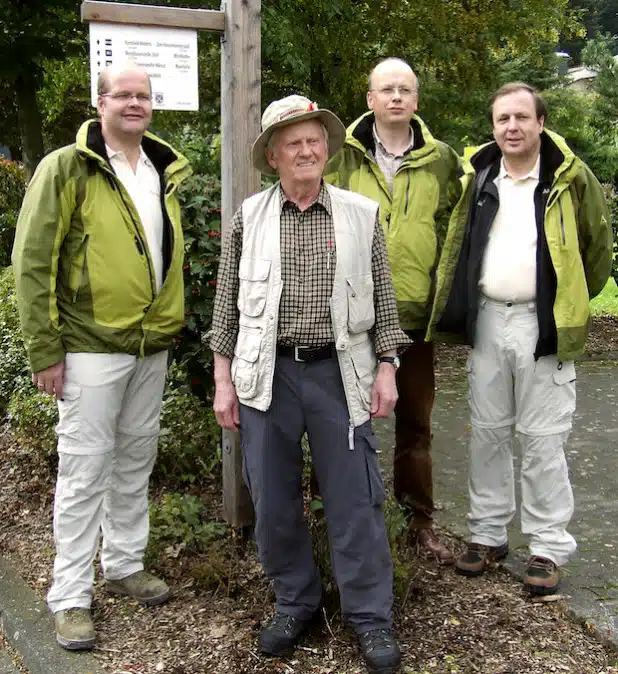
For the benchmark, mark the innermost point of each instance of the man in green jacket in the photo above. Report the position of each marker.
(98, 269)
(390, 156)
(528, 245)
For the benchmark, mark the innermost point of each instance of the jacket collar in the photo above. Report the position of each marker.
(557, 159)
(165, 159)
(360, 136)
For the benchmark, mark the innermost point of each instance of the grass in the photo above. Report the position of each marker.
(606, 302)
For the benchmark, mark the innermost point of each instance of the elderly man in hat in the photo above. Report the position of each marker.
(305, 334)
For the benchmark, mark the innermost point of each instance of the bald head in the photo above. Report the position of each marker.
(393, 95)
(388, 66)
(108, 75)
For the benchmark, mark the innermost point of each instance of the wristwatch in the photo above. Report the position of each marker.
(393, 360)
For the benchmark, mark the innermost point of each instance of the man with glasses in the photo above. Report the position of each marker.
(98, 268)
(390, 156)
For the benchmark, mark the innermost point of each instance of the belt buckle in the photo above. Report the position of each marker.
(297, 357)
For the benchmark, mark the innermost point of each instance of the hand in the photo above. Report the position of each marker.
(50, 380)
(384, 391)
(226, 406)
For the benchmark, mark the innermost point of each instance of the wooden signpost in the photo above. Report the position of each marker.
(238, 22)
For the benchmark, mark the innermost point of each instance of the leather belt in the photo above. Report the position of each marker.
(306, 354)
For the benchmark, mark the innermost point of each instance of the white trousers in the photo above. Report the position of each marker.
(107, 444)
(511, 393)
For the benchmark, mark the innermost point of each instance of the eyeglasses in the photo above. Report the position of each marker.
(125, 97)
(404, 92)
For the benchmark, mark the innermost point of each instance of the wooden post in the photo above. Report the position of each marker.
(240, 126)
(239, 23)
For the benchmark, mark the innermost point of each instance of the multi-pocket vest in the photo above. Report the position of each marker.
(351, 303)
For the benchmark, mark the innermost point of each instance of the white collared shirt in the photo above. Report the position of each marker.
(144, 188)
(508, 273)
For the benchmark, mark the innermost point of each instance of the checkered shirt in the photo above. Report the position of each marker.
(308, 258)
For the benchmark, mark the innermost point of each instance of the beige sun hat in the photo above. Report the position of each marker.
(290, 110)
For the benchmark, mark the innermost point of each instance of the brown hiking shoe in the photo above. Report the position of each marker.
(427, 541)
(541, 576)
(74, 629)
(478, 557)
(140, 586)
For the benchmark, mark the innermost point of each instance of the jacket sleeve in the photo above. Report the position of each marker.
(595, 232)
(43, 222)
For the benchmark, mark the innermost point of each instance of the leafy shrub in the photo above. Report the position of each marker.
(14, 369)
(33, 417)
(189, 445)
(12, 190)
(200, 196)
(178, 519)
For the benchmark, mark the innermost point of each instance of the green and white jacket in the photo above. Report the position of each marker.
(84, 276)
(574, 248)
(414, 216)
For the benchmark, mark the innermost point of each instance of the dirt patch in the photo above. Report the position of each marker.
(445, 623)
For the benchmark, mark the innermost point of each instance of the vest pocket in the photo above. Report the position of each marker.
(364, 362)
(245, 363)
(361, 312)
(253, 285)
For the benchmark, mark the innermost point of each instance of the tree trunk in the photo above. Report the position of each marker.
(29, 119)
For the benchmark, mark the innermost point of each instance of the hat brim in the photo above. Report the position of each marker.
(334, 126)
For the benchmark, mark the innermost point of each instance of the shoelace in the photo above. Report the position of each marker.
(373, 639)
(284, 622)
(541, 563)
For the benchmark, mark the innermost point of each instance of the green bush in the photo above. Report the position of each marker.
(189, 445)
(200, 196)
(12, 190)
(179, 519)
(14, 369)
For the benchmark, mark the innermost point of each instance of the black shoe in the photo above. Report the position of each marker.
(380, 651)
(282, 632)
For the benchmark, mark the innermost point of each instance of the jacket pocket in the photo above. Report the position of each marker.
(361, 312)
(78, 268)
(69, 413)
(253, 285)
(245, 362)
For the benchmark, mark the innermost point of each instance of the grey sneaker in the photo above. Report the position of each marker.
(74, 629)
(141, 586)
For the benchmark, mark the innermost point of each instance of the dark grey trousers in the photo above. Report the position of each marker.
(310, 397)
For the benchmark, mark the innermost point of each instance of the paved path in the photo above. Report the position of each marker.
(592, 576)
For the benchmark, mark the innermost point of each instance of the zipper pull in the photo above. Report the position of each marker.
(351, 436)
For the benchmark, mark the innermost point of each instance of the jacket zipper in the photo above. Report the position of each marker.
(84, 247)
(139, 243)
(351, 436)
(562, 224)
(405, 211)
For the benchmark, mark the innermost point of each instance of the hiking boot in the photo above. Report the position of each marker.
(427, 541)
(141, 586)
(380, 651)
(478, 557)
(74, 629)
(282, 632)
(541, 576)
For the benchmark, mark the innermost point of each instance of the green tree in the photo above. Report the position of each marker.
(33, 32)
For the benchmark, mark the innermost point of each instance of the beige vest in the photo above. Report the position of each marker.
(351, 303)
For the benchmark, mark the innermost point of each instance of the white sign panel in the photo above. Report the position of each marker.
(169, 55)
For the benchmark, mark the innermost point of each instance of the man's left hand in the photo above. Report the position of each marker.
(384, 392)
